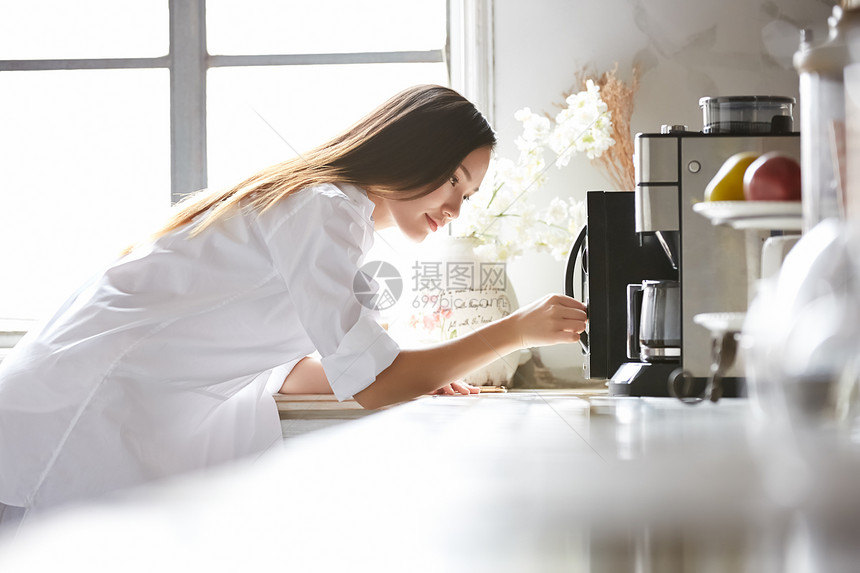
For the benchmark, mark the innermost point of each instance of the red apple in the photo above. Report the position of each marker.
(772, 177)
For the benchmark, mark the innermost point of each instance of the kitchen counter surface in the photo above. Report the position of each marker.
(520, 482)
(311, 406)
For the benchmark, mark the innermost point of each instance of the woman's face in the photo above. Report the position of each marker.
(419, 217)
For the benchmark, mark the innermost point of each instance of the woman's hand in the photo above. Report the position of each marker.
(552, 319)
(456, 388)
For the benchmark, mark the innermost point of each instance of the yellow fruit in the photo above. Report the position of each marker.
(728, 183)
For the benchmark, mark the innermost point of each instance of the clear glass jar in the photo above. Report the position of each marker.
(747, 115)
(823, 116)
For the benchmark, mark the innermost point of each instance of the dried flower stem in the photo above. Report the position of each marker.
(617, 161)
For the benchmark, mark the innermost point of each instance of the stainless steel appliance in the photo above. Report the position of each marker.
(653, 234)
(673, 168)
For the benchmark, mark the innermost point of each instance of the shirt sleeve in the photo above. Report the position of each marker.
(318, 248)
(276, 376)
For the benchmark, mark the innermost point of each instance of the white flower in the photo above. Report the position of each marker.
(583, 126)
(557, 212)
(535, 127)
(577, 214)
(501, 218)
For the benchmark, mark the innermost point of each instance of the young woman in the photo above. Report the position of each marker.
(166, 362)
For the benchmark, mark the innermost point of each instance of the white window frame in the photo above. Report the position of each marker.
(471, 52)
(188, 61)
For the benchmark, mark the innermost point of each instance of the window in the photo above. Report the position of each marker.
(112, 110)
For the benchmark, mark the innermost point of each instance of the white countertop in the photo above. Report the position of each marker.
(519, 482)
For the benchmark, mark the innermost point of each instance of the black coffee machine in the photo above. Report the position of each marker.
(610, 255)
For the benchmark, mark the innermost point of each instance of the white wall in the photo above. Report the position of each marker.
(686, 49)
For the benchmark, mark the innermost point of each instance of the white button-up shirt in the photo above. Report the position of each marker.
(160, 365)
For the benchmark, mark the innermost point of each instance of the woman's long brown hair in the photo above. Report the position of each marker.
(404, 149)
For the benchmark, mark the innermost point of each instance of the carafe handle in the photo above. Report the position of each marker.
(632, 322)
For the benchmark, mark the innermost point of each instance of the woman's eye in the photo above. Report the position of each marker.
(466, 197)
(454, 180)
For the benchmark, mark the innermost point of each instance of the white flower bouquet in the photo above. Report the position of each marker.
(502, 220)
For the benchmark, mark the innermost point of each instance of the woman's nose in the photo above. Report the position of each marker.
(451, 209)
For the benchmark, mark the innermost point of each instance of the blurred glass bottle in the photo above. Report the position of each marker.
(821, 69)
(851, 75)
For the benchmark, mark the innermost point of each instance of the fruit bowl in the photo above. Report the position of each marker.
(762, 215)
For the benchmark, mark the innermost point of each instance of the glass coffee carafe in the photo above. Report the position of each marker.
(654, 332)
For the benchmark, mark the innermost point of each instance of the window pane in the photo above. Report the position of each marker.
(324, 26)
(81, 177)
(62, 29)
(305, 106)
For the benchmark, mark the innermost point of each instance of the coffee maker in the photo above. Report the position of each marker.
(668, 240)
(673, 168)
(608, 256)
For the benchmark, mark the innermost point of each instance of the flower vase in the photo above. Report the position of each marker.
(455, 292)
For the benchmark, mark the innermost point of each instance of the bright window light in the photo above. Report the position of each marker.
(324, 26)
(84, 171)
(85, 154)
(258, 117)
(68, 29)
